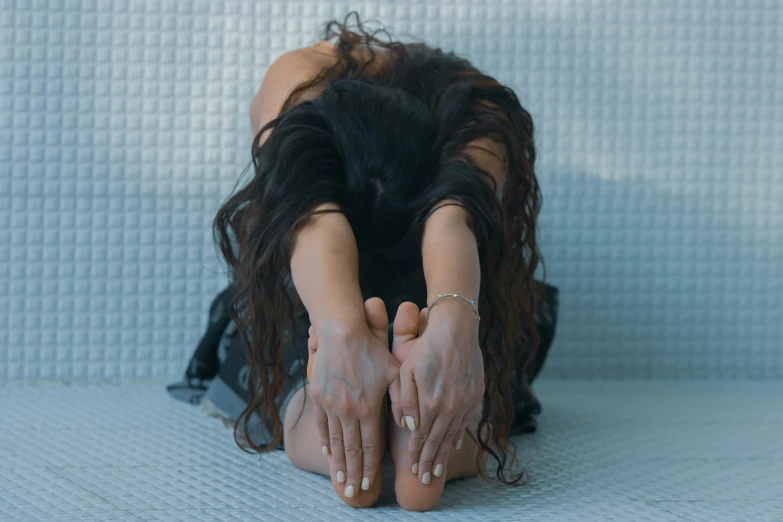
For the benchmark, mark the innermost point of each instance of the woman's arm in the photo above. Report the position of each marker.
(450, 254)
(325, 269)
(352, 368)
(442, 379)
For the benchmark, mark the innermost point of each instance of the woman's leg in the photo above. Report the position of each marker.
(411, 493)
(301, 434)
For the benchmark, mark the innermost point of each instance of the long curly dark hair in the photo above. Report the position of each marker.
(385, 141)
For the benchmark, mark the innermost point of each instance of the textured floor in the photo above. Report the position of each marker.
(605, 451)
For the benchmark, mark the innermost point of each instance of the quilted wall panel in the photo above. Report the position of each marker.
(124, 124)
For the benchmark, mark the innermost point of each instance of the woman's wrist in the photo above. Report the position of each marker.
(340, 323)
(450, 256)
(453, 312)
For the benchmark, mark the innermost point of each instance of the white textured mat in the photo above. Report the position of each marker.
(605, 451)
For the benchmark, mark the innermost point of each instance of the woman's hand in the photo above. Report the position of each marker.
(441, 387)
(349, 379)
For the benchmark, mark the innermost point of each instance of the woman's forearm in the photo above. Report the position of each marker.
(450, 255)
(325, 270)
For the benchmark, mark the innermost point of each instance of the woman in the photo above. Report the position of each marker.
(400, 173)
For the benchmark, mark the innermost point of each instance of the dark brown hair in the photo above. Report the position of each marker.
(413, 113)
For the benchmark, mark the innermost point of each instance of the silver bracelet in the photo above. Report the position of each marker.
(457, 296)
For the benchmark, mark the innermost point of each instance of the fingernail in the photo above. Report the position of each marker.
(340, 477)
(365, 483)
(410, 422)
(438, 470)
(415, 469)
(459, 443)
(402, 422)
(425, 479)
(324, 450)
(349, 491)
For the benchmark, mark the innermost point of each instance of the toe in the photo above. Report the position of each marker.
(406, 328)
(377, 320)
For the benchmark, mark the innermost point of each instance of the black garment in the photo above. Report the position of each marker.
(217, 373)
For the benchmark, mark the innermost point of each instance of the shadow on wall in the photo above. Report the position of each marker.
(647, 275)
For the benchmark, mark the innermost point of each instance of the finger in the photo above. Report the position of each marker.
(446, 445)
(371, 452)
(416, 443)
(431, 445)
(353, 456)
(396, 408)
(337, 446)
(409, 400)
(472, 416)
(322, 424)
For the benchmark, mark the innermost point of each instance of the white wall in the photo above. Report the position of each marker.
(123, 124)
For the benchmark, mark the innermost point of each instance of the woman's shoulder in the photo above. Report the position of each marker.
(285, 74)
(315, 64)
(299, 67)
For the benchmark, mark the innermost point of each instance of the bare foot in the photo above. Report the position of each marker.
(378, 322)
(412, 495)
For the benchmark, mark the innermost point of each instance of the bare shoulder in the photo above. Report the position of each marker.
(284, 75)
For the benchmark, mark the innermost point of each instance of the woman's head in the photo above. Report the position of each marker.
(368, 148)
(386, 148)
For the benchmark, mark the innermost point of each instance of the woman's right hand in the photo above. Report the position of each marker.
(349, 379)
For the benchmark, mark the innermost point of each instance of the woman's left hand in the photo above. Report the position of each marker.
(441, 387)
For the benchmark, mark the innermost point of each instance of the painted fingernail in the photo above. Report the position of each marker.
(324, 450)
(365, 484)
(349, 491)
(340, 477)
(425, 479)
(410, 422)
(459, 443)
(415, 469)
(402, 422)
(438, 470)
